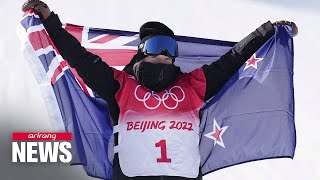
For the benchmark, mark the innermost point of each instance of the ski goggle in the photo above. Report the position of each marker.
(160, 45)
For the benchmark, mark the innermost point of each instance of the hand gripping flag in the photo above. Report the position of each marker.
(251, 118)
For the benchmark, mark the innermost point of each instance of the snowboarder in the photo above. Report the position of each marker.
(154, 106)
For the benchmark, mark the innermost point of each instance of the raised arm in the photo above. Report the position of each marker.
(95, 73)
(219, 72)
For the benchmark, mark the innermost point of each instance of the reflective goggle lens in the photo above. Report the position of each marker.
(157, 45)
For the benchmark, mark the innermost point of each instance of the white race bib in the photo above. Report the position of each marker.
(158, 147)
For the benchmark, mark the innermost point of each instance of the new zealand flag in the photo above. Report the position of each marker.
(251, 118)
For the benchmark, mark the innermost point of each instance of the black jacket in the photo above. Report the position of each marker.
(100, 78)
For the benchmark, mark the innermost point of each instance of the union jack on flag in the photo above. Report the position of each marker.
(251, 118)
(116, 48)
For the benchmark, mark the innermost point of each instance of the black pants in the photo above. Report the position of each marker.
(118, 175)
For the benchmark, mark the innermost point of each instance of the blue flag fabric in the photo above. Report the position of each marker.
(254, 112)
(251, 118)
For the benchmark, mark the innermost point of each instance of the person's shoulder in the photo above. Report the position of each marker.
(194, 74)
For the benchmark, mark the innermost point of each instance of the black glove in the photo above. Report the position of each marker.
(39, 6)
(292, 24)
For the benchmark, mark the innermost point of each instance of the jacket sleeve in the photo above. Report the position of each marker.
(219, 72)
(94, 72)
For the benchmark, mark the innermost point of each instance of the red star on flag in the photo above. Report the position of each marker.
(252, 62)
(216, 135)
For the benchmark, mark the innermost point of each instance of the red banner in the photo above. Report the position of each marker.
(37, 136)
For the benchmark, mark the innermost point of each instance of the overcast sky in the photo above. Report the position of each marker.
(22, 108)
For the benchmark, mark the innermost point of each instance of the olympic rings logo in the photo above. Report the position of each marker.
(162, 99)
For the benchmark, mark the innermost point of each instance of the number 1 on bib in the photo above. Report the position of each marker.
(163, 148)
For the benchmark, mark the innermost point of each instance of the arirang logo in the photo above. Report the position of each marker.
(167, 96)
(41, 147)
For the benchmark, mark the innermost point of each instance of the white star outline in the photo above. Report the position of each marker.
(210, 135)
(256, 60)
